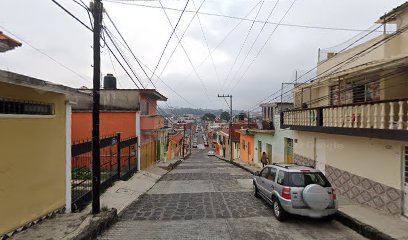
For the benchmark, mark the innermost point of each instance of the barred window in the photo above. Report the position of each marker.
(11, 106)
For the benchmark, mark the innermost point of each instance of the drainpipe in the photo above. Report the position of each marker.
(68, 167)
(139, 139)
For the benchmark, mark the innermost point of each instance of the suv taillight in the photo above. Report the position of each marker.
(286, 193)
(334, 197)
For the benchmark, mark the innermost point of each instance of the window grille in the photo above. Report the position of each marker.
(11, 106)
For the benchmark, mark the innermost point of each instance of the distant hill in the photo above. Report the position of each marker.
(194, 111)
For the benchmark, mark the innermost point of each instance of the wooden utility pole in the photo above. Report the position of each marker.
(96, 164)
(184, 137)
(230, 123)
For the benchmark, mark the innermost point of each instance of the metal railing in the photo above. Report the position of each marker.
(385, 114)
(118, 161)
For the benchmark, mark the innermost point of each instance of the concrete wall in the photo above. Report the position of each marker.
(32, 160)
(277, 140)
(378, 160)
(110, 124)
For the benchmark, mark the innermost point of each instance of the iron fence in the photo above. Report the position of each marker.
(118, 161)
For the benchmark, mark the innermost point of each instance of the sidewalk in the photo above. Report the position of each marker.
(367, 221)
(83, 224)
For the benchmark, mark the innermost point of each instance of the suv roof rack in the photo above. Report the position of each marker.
(284, 165)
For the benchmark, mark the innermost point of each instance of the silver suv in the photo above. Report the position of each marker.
(295, 189)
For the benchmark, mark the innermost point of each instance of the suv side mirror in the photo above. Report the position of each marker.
(256, 173)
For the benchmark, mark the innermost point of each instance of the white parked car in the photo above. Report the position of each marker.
(211, 153)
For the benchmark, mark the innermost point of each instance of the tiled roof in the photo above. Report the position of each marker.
(8, 43)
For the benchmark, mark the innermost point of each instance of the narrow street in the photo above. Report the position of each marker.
(206, 198)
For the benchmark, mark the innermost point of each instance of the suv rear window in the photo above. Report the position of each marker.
(302, 179)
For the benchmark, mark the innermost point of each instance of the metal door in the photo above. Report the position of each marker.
(288, 150)
(269, 151)
(406, 181)
(320, 158)
(259, 151)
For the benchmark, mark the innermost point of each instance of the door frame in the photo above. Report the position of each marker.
(404, 182)
(322, 168)
(286, 152)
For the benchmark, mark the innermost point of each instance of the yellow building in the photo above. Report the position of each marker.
(35, 148)
(351, 121)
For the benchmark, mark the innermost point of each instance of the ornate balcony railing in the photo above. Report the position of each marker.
(389, 115)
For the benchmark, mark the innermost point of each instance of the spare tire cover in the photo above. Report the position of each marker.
(316, 197)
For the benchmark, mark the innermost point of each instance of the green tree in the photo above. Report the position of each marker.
(225, 116)
(208, 117)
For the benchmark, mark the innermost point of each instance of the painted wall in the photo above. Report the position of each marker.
(375, 159)
(277, 140)
(150, 122)
(32, 160)
(247, 148)
(149, 105)
(110, 124)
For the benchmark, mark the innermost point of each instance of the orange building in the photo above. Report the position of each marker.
(175, 146)
(247, 143)
(130, 112)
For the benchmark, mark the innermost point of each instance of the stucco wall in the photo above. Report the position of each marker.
(32, 161)
(375, 159)
(277, 140)
(110, 124)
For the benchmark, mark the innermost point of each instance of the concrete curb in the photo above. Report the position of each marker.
(237, 164)
(358, 226)
(174, 165)
(98, 224)
(362, 228)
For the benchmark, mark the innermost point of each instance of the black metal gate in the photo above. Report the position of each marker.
(118, 161)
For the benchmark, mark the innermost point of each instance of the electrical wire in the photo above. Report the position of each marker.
(243, 18)
(44, 53)
(352, 58)
(242, 46)
(171, 35)
(188, 57)
(253, 43)
(264, 45)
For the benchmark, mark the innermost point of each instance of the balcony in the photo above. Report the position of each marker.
(151, 122)
(386, 119)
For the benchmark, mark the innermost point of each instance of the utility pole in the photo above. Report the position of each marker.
(96, 164)
(184, 137)
(230, 123)
(191, 137)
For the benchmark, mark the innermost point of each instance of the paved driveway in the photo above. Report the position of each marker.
(206, 198)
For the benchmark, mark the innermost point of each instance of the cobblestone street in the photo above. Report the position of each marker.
(206, 198)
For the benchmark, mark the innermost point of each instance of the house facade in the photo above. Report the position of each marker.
(130, 112)
(35, 115)
(351, 122)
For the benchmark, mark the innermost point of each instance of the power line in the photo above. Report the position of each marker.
(353, 58)
(253, 43)
(225, 38)
(178, 43)
(315, 67)
(264, 45)
(206, 43)
(188, 57)
(171, 35)
(242, 46)
(244, 19)
(45, 54)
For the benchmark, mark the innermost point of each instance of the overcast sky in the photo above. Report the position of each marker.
(44, 29)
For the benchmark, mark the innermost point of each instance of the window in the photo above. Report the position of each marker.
(264, 173)
(303, 179)
(281, 178)
(9, 106)
(272, 174)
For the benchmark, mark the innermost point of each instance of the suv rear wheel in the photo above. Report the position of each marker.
(278, 211)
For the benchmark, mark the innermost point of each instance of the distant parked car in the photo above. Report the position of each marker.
(295, 189)
(211, 153)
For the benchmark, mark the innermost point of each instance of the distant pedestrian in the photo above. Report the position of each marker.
(264, 159)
